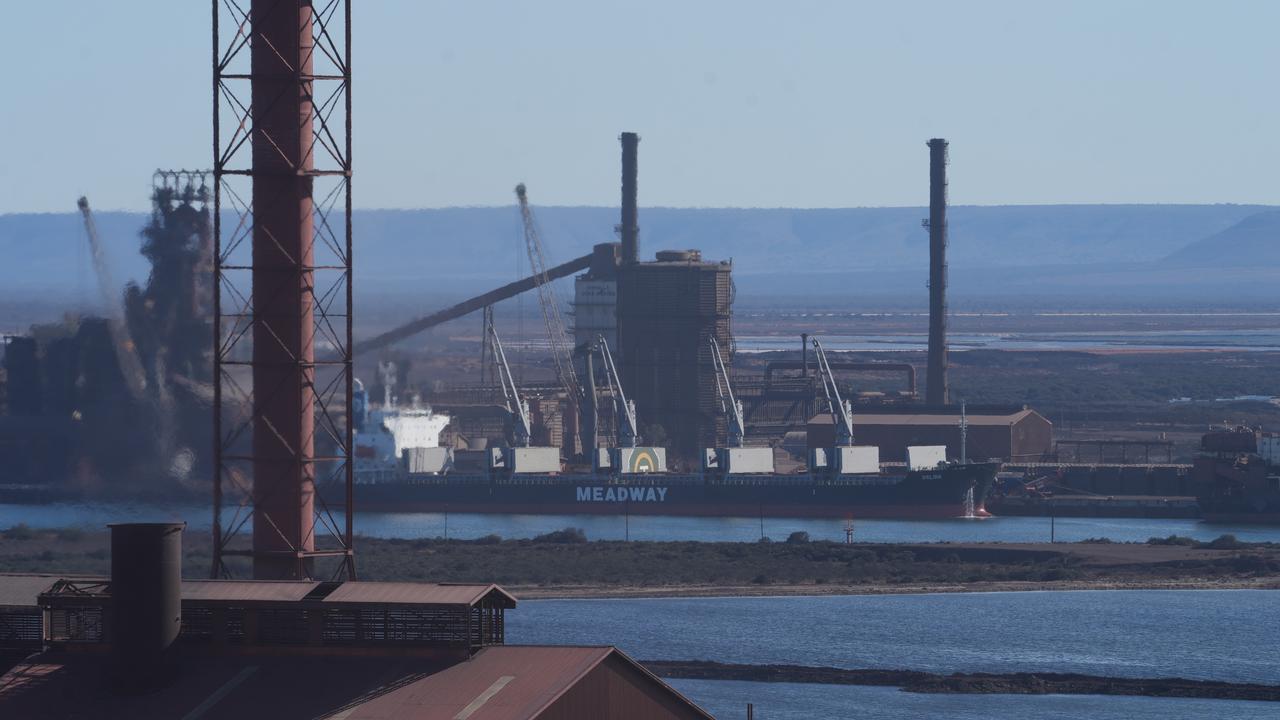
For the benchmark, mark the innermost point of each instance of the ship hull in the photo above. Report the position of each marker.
(933, 494)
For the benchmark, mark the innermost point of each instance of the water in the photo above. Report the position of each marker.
(728, 700)
(1214, 635)
(469, 526)
(969, 512)
(1238, 339)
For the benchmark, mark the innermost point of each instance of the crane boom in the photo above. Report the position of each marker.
(841, 410)
(561, 347)
(126, 355)
(624, 409)
(729, 405)
(517, 408)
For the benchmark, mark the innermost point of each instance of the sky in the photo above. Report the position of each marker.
(740, 103)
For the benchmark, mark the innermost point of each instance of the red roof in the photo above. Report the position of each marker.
(53, 685)
(505, 682)
(246, 590)
(417, 594)
(21, 591)
(498, 683)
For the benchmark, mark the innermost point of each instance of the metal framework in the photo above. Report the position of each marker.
(283, 434)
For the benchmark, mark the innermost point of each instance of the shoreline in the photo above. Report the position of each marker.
(564, 565)
(1016, 683)
(604, 592)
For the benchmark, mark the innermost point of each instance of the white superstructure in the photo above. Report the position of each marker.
(385, 432)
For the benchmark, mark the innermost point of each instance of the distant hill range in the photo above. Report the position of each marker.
(1255, 240)
(1087, 252)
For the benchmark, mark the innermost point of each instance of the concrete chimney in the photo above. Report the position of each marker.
(936, 390)
(629, 228)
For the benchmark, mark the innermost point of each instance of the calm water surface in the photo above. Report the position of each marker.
(788, 701)
(1214, 635)
(1220, 635)
(414, 525)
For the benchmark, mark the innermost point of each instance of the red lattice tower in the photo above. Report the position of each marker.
(282, 359)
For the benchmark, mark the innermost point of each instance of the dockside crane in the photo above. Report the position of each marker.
(729, 405)
(841, 409)
(561, 346)
(624, 410)
(517, 407)
(121, 340)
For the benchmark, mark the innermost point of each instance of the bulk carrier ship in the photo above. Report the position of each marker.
(396, 473)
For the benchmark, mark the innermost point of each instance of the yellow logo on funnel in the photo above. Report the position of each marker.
(643, 460)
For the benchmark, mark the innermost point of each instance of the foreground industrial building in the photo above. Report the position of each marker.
(145, 644)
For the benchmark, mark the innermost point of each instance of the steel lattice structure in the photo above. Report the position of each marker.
(282, 303)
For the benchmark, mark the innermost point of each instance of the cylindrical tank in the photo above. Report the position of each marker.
(146, 600)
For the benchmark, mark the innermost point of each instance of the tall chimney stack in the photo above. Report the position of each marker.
(630, 227)
(936, 391)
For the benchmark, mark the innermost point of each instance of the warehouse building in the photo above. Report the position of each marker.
(1008, 434)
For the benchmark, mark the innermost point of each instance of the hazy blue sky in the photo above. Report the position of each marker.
(743, 103)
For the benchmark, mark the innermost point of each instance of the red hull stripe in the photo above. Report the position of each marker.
(906, 512)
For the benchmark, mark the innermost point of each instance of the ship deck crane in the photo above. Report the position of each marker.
(624, 409)
(517, 407)
(841, 409)
(729, 405)
(736, 458)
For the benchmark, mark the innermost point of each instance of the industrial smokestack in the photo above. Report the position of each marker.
(630, 226)
(284, 368)
(936, 392)
(146, 602)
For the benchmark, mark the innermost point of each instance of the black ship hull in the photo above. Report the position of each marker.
(940, 493)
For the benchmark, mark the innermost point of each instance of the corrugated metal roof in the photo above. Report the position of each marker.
(246, 590)
(20, 591)
(55, 686)
(939, 420)
(498, 683)
(415, 593)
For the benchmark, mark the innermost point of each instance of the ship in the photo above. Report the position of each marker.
(843, 481)
(1237, 475)
(947, 491)
(385, 433)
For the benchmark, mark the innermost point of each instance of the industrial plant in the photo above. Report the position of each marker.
(239, 376)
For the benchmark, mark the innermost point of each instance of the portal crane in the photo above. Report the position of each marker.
(561, 347)
(517, 407)
(624, 410)
(730, 406)
(841, 409)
